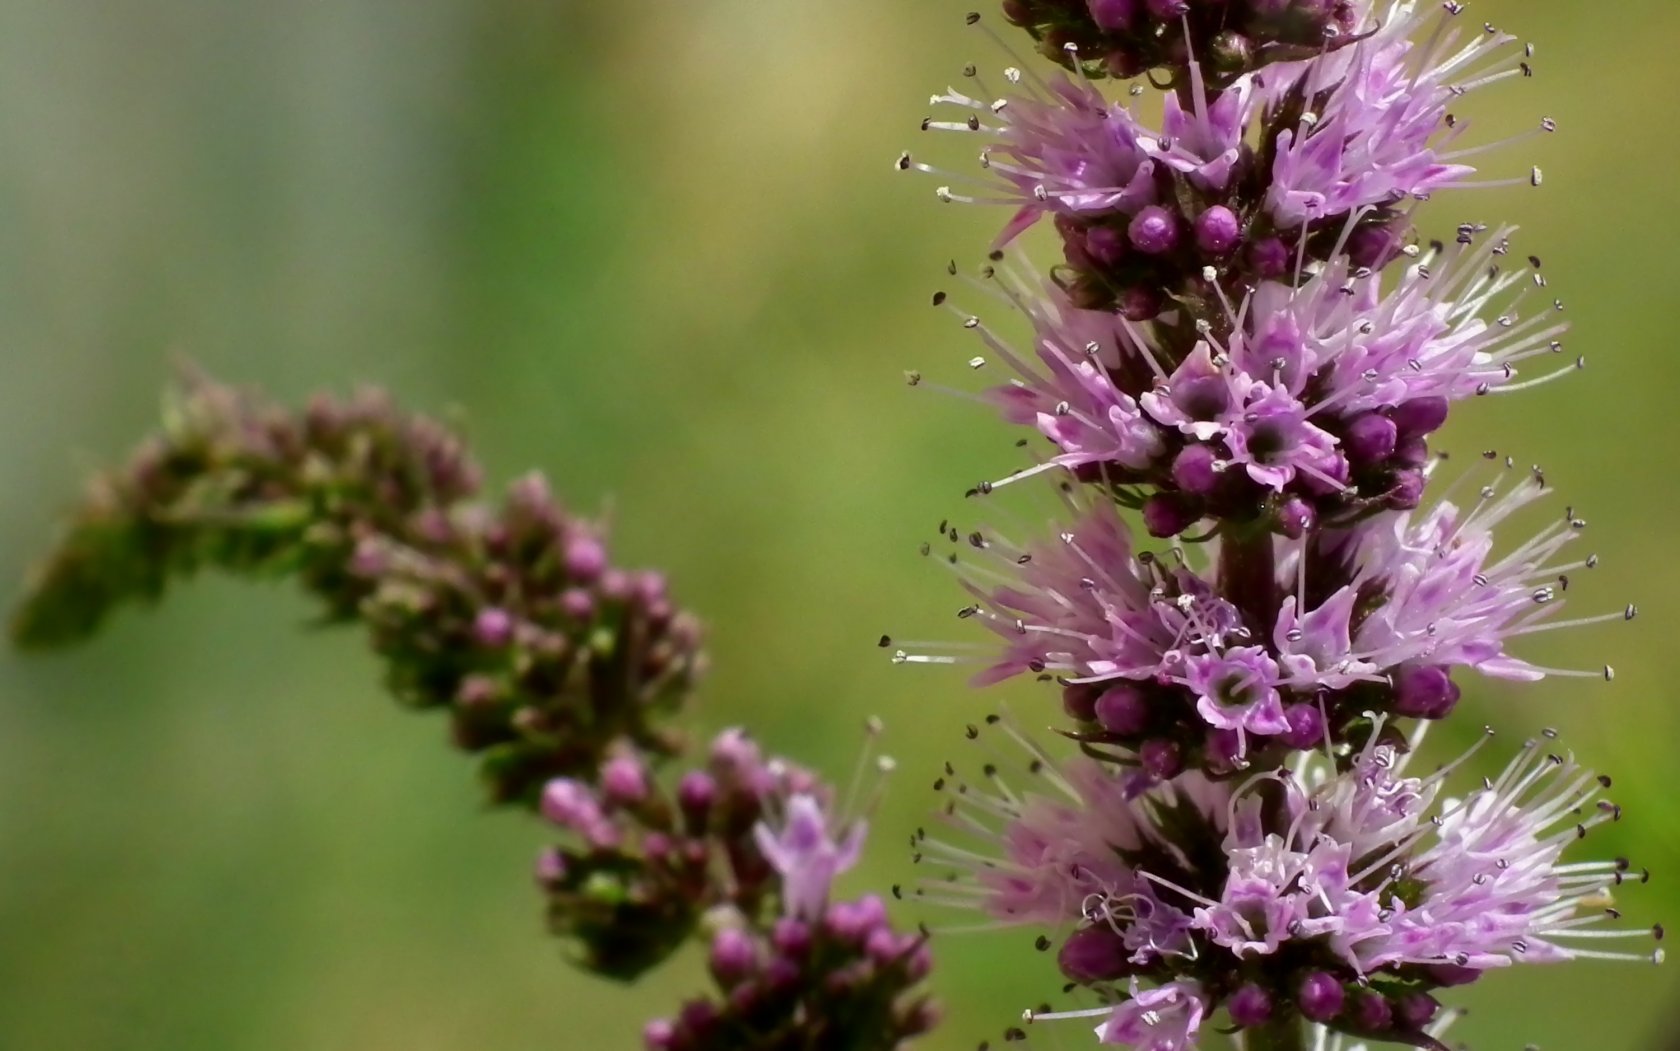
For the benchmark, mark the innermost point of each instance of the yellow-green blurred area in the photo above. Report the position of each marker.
(656, 249)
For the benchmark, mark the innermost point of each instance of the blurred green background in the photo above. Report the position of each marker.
(654, 248)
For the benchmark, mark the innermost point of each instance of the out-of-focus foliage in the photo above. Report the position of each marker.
(655, 249)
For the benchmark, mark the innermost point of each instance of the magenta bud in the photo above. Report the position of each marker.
(1105, 245)
(1420, 416)
(577, 603)
(1122, 709)
(1295, 518)
(1416, 1010)
(1112, 15)
(1371, 1012)
(586, 559)
(1370, 438)
(1094, 954)
(1196, 469)
(477, 691)
(1223, 750)
(1424, 691)
(791, 937)
(1269, 257)
(1153, 230)
(1306, 726)
(624, 780)
(1411, 452)
(551, 866)
(1249, 1005)
(1169, 514)
(1218, 230)
(659, 1035)
(734, 956)
(1320, 997)
(1374, 247)
(492, 628)
(695, 794)
(1406, 492)
(1161, 758)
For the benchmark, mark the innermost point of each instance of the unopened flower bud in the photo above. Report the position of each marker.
(1094, 954)
(1122, 709)
(1154, 230)
(1218, 230)
(1250, 1005)
(1320, 996)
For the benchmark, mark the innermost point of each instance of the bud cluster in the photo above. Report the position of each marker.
(510, 617)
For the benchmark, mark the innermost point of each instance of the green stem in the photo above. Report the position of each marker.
(1248, 576)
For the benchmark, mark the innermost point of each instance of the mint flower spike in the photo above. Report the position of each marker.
(508, 616)
(1344, 895)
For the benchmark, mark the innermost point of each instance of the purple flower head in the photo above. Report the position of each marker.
(1237, 690)
(1059, 148)
(1375, 119)
(808, 853)
(1369, 882)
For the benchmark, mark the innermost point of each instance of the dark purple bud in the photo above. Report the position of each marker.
(1122, 709)
(1421, 416)
(1018, 12)
(1122, 64)
(734, 957)
(624, 780)
(1319, 996)
(697, 1017)
(1095, 954)
(1231, 52)
(695, 794)
(1169, 514)
(1079, 701)
(1416, 1010)
(1250, 1005)
(791, 937)
(1269, 258)
(1154, 230)
(1425, 691)
(1374, 246)
(1371, 1012)
(1370, 438)
(1406, 492)
(1450, 974)
(1167, 9)
(1195, 469)
(1139, 303)
(1112, 15)
(1295, 517)
(1217, 229)
(1223, 750)
(492, 628)
(1161, 758)
(1105, 245)
(1411, 452)
(1306, 726)
(659, 1035)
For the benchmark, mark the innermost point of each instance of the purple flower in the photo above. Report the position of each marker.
(1161, 1019)
(808, 854)
(1374, 137)
(1237, 690)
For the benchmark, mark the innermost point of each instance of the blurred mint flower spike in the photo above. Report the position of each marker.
(235, 483)
(1342, 895)
(746, 849)
(508, 615)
